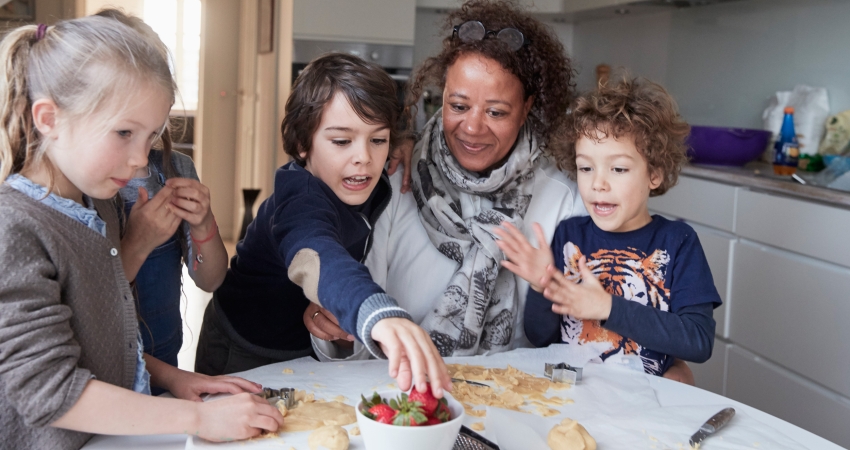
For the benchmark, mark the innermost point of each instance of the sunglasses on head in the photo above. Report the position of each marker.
(474, 30)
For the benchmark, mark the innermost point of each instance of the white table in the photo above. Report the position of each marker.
(329, 379)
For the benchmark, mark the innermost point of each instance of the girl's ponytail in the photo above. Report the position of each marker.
(18, 139)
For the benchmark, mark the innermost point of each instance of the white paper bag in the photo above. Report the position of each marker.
(811, 109)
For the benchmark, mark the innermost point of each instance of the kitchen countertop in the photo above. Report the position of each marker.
(759, 175)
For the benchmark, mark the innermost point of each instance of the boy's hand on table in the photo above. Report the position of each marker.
(526, 261)
(236, 417)
(585, 300)
(681, 372)
(413, 358)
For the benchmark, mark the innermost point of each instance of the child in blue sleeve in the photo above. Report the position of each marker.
(309, 238)
(620, 276)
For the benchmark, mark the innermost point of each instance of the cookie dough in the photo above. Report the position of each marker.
(310, 416)
(330, 437)
(570, 435)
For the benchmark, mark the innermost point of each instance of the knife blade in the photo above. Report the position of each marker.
(712, 425)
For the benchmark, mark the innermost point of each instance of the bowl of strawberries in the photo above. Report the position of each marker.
(390, 420)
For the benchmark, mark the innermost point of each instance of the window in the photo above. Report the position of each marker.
(178, 23)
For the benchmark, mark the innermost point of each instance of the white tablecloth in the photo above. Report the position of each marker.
(619, 407)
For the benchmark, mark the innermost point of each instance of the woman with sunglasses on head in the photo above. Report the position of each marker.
(480, 161)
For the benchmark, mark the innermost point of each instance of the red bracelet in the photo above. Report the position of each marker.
(200, 257)
(208, 238)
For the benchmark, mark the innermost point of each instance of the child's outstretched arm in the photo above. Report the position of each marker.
(412, 355)
(191, 202)
(526, 261)
(106, 409)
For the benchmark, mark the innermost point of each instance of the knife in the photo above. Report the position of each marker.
(712, 425)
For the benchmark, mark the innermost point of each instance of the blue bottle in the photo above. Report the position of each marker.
(787, 149)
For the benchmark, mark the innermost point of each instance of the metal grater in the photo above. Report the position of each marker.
(470, 440)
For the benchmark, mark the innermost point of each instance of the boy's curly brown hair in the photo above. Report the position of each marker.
(636, 108)
(542, 65)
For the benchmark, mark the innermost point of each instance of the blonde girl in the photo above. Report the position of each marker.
(82, 103)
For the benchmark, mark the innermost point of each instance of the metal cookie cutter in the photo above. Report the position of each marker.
(562, 373)
(286, 395)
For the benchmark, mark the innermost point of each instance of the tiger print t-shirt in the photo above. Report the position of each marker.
(661, 286)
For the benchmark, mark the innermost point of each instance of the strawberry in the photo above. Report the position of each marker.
(427, 399)
(433, 421)
(442, 413)
(383, 413)
(409, 413)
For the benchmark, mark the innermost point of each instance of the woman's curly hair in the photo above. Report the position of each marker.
(542, 65)
(636, 108)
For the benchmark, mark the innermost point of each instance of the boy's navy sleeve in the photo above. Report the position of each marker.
(542, 325)
(306, 230)
(687, 330)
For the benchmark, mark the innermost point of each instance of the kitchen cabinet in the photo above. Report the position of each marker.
(774, 390)
(782, 267)
(369, 21)
(793, 310)
(711, 375)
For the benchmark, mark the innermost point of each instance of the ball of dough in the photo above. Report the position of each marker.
(570, 435)
(331, 437)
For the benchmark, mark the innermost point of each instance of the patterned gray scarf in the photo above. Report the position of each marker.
(459, 209)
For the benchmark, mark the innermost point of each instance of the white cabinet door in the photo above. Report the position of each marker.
(718, 248)
(711, 375)
(700, 201)
(768, 387)
(804, 227)
(793, 310)
(371, 21)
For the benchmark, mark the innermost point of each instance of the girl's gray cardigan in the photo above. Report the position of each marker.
(67, 315)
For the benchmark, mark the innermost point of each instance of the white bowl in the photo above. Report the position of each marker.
(381, 436)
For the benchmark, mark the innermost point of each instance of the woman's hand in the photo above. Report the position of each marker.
(322, 324)
(402, 154)
(191, 202)
(528, 262)
(585, 300)
(412, 355)
(236, 417)
(680, 372)
(150, 224)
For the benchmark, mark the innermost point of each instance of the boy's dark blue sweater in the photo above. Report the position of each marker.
(662, 292)
(303, 232)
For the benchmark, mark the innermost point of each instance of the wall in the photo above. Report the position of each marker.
(723, 62)
(215, 125)
(46, 11)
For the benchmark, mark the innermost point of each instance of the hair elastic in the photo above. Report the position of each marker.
(39, 34)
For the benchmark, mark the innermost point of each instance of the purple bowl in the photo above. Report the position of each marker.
(726, 146)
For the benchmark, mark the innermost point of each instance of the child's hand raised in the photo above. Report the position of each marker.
(191, 202)
(528, 262)
(585, 300)
(412, 355)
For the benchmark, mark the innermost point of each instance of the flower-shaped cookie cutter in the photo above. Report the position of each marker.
(562, 373)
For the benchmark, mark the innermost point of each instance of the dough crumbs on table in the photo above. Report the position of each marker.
(514, 389)
(653, 439)
(477, 426)
(318, 386)
(288, 371)
(391, 386)
(340, 398)
(354, 431)
(312, 373)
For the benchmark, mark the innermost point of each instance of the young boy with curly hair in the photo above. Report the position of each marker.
(620, 276)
